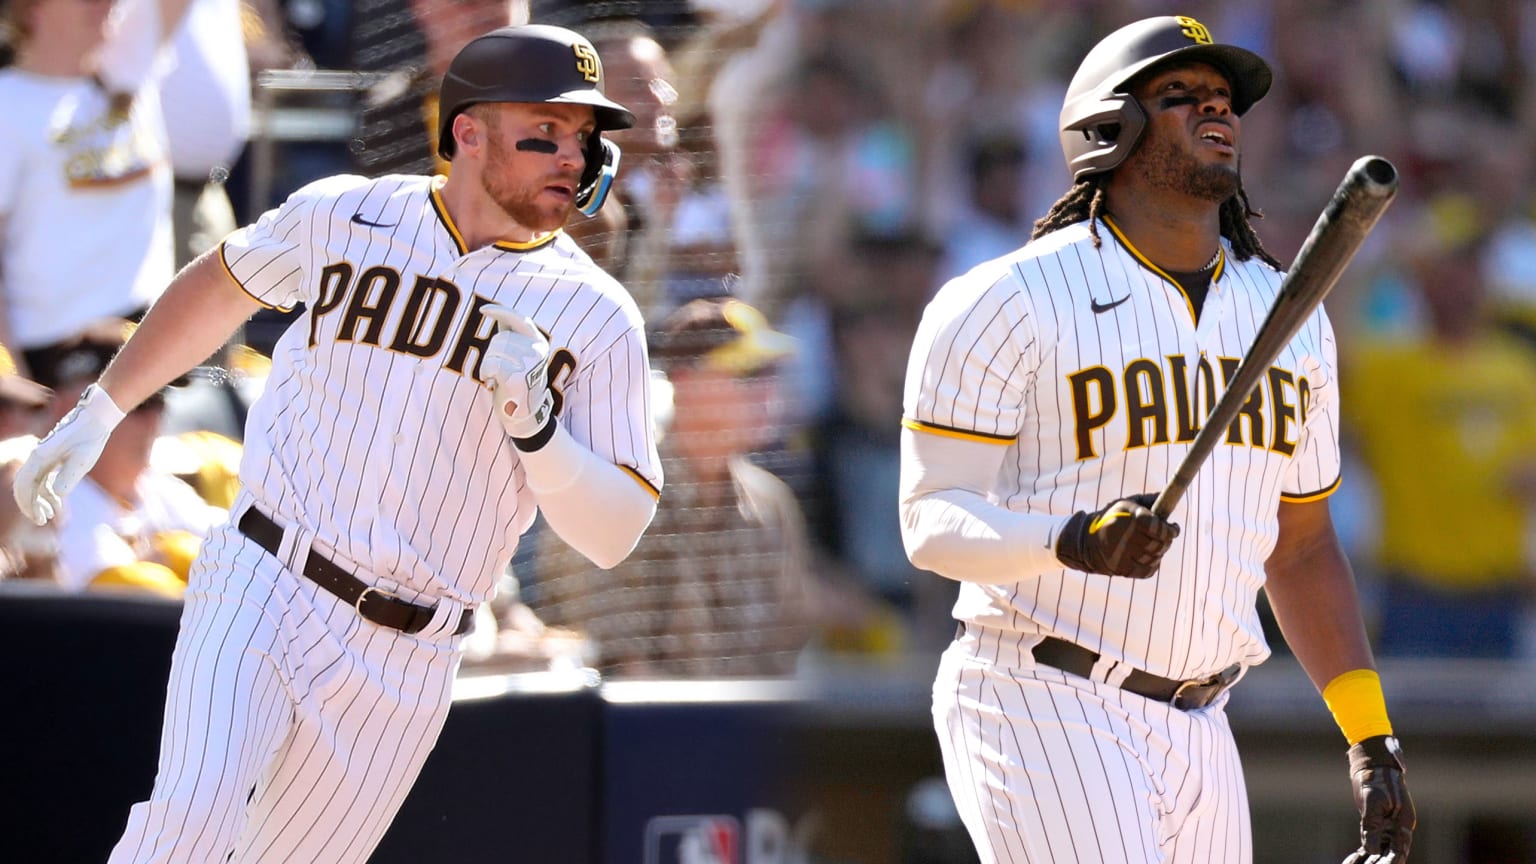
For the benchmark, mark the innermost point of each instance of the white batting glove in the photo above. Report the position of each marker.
(65, 455)
(516, 365)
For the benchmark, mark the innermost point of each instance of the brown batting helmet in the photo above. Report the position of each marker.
(1101, 122)
(530, 63)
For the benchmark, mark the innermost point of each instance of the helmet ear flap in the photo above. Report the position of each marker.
(1099, 135)
(597, 178)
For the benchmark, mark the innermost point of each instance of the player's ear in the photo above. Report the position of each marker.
(467, 131)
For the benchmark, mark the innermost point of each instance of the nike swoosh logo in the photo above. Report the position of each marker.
(1096, 305)
(358, 219)
(1106, 518)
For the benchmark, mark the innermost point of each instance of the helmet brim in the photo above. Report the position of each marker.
(1248, 73)
(610, 114)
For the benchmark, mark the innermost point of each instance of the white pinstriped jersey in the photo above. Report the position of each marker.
(374, 431)
(1088, 367)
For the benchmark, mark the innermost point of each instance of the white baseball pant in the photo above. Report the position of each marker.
(293, 727)
(1050, 768)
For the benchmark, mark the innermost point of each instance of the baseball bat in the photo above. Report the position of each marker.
(1358, 202)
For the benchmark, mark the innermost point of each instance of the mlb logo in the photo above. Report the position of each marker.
(693, 840)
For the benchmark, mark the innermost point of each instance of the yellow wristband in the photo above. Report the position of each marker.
(1357, 704)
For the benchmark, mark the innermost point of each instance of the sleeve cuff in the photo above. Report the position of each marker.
(535, 442)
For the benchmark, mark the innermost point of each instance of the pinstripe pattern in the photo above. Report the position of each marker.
(992, 357)
(294, 728)
(1089, 368)
(393, 460)
(297, 716)
(1048, 768)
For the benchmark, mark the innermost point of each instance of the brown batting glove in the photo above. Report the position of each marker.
(1124, 539)
(1381, 796)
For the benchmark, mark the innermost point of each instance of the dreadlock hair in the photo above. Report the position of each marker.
(1085, 201)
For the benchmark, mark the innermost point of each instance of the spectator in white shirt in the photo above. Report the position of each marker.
(127, 526)
(85, 185)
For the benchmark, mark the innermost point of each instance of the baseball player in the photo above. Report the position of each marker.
(1049, 394)
(460, 364)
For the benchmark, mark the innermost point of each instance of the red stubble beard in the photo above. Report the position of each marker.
(524, 204)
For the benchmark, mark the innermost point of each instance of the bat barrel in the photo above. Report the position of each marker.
(1367, 189)
(1377, 174)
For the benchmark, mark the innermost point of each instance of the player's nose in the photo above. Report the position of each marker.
(1213, 101)
(572, 153)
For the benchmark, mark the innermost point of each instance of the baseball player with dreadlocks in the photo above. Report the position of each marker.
(460, 365)
(1080, 709)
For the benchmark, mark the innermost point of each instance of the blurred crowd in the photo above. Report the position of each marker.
(803, 177)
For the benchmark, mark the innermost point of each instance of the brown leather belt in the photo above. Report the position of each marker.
(1184, 695)
(375, 604)
(1191, 695)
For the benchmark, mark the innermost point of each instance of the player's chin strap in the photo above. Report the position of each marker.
(597, 179)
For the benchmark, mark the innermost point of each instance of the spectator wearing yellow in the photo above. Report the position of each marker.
(1446, 422)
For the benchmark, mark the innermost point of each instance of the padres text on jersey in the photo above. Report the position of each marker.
(1089, 366)
(390, 345)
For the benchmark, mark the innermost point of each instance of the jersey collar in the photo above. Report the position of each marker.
(458, 238)
(1221, 263)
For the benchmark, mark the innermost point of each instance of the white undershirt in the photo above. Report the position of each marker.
(949, 524)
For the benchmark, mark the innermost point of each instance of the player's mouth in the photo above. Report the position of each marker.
(563, 191)
(1217, 134)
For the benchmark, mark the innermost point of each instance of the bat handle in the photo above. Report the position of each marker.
(1174, 492)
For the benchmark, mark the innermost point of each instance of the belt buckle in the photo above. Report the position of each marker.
(358, 605)
(1220, 681)
(1178, 695)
